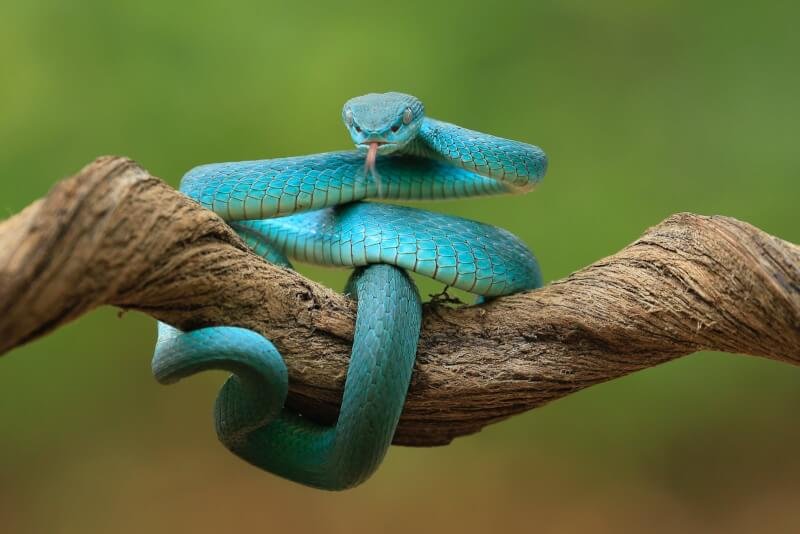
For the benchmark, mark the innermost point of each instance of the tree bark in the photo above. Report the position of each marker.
(113, 234)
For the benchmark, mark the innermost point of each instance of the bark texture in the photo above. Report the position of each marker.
(114, 235)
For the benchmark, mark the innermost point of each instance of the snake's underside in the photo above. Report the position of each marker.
(311, 208)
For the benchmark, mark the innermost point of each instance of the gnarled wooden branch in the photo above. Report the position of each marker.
(115, 235)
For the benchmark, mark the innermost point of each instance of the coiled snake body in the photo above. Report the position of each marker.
(309, 208)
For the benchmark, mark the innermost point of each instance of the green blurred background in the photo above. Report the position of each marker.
(645, 109)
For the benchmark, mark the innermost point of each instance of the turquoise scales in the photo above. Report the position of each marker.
(309, 208)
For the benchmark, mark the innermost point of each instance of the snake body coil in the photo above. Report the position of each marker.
(309, 208)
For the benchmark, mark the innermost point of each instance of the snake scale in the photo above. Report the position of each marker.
(311, 208)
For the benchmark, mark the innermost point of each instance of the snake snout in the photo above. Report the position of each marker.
(373, 138)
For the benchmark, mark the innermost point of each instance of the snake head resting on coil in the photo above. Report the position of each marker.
(382, 123)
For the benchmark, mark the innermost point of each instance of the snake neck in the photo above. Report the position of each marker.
(419, 146)
(518, 166)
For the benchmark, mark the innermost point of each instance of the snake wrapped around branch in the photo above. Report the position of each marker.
(312, 208)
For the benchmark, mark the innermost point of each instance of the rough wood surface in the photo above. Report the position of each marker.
(115, 235)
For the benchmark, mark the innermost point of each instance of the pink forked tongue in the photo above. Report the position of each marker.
(369, 165)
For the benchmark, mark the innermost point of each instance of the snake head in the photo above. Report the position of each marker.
(387, 120)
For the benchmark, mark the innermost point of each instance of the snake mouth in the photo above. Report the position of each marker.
(379, 144)
(375, 147)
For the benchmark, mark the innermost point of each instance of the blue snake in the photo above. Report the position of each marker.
(310, 208)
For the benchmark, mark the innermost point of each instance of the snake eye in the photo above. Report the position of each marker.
(395, 128)
(348, 116)
(407, 116)
(358, 129)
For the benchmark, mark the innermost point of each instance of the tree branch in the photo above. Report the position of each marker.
(115, 235)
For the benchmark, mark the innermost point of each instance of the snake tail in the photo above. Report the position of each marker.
(249, 414)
